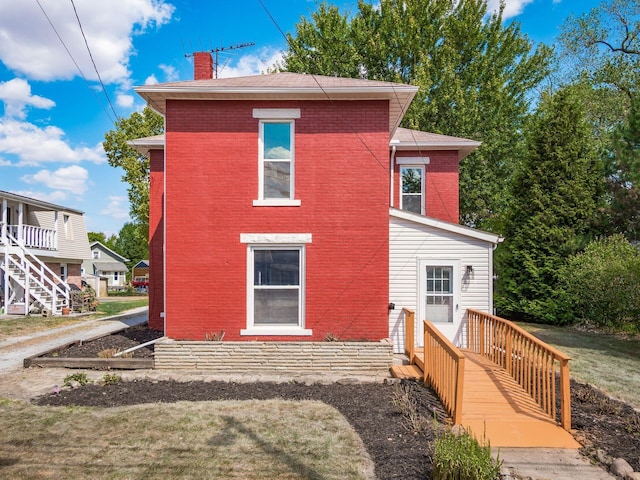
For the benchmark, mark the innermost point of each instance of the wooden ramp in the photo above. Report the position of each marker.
(497, 409)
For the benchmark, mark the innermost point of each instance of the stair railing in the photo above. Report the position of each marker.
(35, 268)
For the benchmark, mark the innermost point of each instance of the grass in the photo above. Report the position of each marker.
(610, 362)
(255, 440)
(19, 325)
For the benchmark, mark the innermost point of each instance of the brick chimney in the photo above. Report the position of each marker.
(202, 66)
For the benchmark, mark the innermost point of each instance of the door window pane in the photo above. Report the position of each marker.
(439, 294)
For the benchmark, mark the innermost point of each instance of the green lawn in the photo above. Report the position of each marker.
(258, 440)
(610, 362)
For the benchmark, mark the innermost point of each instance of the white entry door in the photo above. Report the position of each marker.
(439, 296)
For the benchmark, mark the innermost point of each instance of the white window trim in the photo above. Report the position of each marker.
(268, 240)
(423, 188)
(413, 161)
(276, 115)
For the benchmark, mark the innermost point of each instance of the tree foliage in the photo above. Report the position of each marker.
(603, 283)
(132, 243)
(475, 76)
(135, 166)
(555, 198)
(102, 238)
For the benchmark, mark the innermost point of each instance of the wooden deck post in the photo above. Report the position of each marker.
(481, 337)
(565, 395)
(457, 409)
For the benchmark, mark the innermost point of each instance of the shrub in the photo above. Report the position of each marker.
(603, 283)
(111, 379)
(79, 377)
(460, 456)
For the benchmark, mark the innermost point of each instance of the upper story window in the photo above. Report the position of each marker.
(412, 189)
(276, 156)
(96, 254)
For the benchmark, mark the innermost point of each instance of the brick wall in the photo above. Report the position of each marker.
(441, 184)
(74, 274)
(156, 226)
(283, 358)
(341, 180)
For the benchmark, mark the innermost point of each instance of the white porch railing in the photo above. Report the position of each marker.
(29, 236)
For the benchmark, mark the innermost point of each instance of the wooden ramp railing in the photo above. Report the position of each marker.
(444, 370)
(530, 362)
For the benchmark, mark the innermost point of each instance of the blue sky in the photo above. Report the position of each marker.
(53, 121)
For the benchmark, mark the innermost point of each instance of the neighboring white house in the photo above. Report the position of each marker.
(42, 246)
(438, 269)
(108, 264)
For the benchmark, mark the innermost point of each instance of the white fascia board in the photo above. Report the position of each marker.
(447, 226)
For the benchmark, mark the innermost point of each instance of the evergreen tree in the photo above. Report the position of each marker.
(556, 195)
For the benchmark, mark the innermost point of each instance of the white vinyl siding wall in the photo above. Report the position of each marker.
(409, 241)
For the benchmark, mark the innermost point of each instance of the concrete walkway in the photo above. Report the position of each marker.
(24, 384)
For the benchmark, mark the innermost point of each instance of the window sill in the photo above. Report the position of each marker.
(288, 331)
(277, 202)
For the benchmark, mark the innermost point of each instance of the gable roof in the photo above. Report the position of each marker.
(283, 86)
(142, 264)
(408, 139)
(446, 226)
(107, 249)
(110, 267)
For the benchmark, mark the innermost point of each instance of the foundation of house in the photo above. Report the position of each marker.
(279, 358)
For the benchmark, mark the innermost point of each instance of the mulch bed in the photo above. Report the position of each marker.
(398, 452)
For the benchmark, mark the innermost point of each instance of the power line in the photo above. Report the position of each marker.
(75, 63)
(93, 62)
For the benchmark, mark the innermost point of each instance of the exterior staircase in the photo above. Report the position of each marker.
(30, 286)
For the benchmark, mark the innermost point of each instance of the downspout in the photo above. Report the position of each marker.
(164, 230)
(392, 176)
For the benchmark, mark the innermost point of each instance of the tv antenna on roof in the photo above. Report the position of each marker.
(222, 49)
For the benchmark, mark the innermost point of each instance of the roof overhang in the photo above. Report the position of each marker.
(447, 226)
(38, 203)
(291, 87)
(406, 139)
(143, 145)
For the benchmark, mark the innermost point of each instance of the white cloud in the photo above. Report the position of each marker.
(72, 179)
(124, 100)
(29, 45)
(16, 95)
(34, 145)
(57, 196)
(151, 80)
(118, 208)
(170, 73)
(250, 64)
(512, 7)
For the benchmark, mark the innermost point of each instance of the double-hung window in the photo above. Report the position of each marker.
(276, 157)
(275, 284)
(412, 181)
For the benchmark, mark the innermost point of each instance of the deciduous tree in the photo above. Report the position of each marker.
(476, 76)
(136, 166)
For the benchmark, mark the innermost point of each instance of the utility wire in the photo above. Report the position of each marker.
(75, 63)
(93, 61)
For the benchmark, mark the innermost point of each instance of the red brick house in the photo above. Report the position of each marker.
(303, 211)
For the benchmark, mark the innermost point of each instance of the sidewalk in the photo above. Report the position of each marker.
(14, 350)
